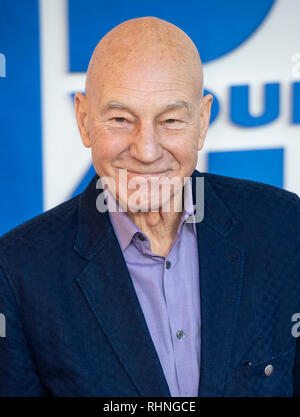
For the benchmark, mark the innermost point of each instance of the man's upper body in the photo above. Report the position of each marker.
(193, 309)
(75, 325)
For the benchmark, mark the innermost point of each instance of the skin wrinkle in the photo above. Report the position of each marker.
(178, 104)
(146, 64)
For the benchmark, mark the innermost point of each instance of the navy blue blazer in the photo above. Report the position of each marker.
(74, 325)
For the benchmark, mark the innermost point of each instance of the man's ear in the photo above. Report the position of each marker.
(205, 107)
(81, 110)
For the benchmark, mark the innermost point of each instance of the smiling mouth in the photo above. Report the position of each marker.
(147, 174)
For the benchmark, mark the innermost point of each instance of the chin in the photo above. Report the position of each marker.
(150, 203)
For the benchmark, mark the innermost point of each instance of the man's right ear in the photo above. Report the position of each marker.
(81, 110)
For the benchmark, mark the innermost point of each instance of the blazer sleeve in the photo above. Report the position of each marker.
(18, 375)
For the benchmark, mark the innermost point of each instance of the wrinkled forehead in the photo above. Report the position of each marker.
(146, 72)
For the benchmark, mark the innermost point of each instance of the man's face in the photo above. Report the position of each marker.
(149, 120)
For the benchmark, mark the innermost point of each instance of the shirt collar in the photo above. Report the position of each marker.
(125, 228)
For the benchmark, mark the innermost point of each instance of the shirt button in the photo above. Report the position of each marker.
(168, 264)
(141, 236)
(180, 334)
(269, 370)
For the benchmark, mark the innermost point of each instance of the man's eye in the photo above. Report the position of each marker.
(170, 120)
(119, 119)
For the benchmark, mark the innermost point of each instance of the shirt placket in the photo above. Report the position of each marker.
(177, 294)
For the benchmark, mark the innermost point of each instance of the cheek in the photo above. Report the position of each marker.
(105, 145)
(186, 150)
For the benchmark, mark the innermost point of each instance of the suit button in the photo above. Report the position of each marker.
(180, 334)
(269, 370)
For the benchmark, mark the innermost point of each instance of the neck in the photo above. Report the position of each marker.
(160, 227)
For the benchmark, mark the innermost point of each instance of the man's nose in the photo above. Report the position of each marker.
(146, 145)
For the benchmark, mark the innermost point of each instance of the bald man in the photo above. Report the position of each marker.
(125, 290)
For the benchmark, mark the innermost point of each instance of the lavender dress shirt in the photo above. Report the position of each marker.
(168, 292)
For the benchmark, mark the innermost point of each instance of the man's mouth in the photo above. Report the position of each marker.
(148, 173)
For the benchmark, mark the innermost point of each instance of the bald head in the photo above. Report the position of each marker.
(146, 42)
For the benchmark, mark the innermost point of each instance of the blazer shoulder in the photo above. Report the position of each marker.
(251, 189)
(257, 204)
(47, 227)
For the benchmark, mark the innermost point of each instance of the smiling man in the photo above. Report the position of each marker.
(141, 299)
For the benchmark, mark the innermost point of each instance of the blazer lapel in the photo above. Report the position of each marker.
(220, 274)
(109, 291)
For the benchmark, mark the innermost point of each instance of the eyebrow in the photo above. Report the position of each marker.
(177, 105)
